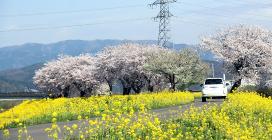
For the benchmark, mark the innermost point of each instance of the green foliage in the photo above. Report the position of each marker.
(264, 91)
(250, 88)
(183, 86)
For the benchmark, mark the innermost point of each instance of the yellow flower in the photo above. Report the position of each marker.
(79, 117)
(54, 120)
(156, 121)
(6, 133)
(16, 120)
(54, 126)
(74, 126)
(92, 122)
(54, 114)
(96, 113)
(20, 124)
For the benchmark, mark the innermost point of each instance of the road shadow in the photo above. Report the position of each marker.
(211, 100)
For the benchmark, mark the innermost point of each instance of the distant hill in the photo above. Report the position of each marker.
(20, 79)
(32, 53)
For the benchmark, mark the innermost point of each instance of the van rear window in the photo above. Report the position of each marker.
(213, 81)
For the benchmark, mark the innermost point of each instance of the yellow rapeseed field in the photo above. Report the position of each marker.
(40, 111)
(244, 116)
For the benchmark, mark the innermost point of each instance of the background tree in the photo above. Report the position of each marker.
(177, 67)
(61, 75)
(246, 51)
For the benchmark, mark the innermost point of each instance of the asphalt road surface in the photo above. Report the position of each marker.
(37, 131)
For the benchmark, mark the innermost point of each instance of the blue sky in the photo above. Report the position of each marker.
(122, 19)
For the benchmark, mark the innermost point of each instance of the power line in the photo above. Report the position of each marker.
(234, 2)
(229, 2)
(70, 11)
(222, 15)
(197, 23)
(99, 23)
(74, 25)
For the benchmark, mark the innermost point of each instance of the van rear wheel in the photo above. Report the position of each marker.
(204, 99)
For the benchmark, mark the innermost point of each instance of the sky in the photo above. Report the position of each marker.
(48, 21)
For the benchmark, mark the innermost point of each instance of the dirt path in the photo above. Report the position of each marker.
(38, 133)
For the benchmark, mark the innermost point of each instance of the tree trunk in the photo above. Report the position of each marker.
(126, 87)
(235, 85)
(173, 87)
(136, 89)
(110, 86)
(126, 90)
(109, 82)
(172, 82)
(65, 91)
(150, 88)
(82, 94)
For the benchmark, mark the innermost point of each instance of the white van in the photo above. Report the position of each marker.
(214, 87)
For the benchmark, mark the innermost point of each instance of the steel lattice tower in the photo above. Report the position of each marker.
(164, 21)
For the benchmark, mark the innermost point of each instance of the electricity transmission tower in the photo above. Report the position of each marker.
(164, 21)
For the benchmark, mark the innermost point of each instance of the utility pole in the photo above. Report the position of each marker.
(164, 21)
(213, 70)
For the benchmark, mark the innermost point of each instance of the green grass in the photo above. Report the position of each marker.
(7, 104)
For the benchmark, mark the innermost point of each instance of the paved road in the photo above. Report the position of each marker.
(38, 133)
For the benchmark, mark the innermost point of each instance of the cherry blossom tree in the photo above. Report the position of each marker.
(67, 72)
(178, 67)
(246, 51)
(126, 64)
(108, 70)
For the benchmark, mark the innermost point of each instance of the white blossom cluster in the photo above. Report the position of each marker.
(126, 64)
(67, 72)
(246, 51)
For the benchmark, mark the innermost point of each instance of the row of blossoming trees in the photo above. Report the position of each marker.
(136, 67)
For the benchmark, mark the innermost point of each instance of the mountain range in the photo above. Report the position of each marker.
(18, 63)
